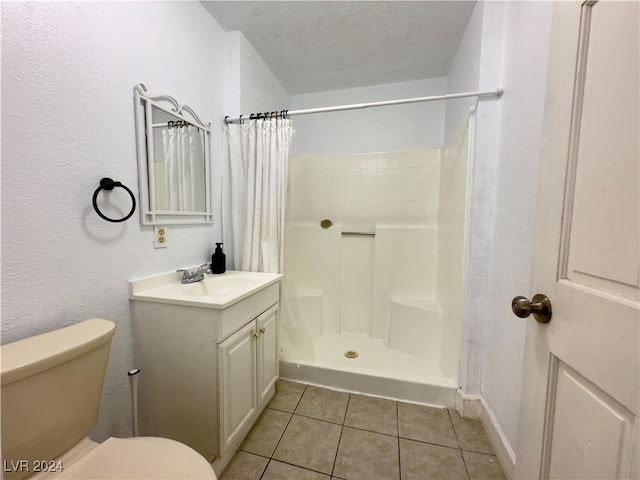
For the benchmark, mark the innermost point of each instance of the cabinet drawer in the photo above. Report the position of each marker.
(237, 315)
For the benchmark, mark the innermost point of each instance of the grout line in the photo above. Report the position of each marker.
(289, 422)
(283, 431)
(335, 458)
(458, 441)
(398, 438)
(322, 419)
(397, 418)
(455, 433)
(346, 409)
(264, 470)
(298, 466)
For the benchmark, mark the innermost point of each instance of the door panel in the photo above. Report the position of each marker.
(581, 388)
(589, 427)
(603, 222)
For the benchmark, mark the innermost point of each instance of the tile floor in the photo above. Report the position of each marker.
(312, 433)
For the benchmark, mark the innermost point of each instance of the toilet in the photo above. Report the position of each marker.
(51, 389)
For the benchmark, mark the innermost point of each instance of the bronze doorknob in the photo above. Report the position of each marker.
(539, 305)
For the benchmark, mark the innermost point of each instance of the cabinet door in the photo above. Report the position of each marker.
(267, 325)
(237, 381)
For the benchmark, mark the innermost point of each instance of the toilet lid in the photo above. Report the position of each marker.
(140, 458)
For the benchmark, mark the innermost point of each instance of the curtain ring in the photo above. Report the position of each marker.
(240, 119)
(251, 117)
(226, 119)
(109, 184)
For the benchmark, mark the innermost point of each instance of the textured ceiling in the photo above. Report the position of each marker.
(324, 45)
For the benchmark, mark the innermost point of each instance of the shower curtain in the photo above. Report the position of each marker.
(254, 196)
(180, 170)
(255, 193)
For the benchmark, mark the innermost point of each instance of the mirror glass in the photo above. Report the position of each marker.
(173, 161)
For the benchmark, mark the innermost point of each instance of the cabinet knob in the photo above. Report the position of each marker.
(260, 333)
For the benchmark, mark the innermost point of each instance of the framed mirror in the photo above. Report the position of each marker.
(174, 162)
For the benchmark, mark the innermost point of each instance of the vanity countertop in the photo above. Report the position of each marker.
(216, 291)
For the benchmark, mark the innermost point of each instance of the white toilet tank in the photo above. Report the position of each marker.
(51, 389)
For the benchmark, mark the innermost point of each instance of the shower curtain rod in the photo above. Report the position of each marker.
(287, 113)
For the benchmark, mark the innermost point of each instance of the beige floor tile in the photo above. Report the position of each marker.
(482, 467)
(470, 434)
(371, 413)
(244, 466)
(266, 433)
(309, 443)
(366, 455)
(323, 404)
(421, 461)
(287, 395)
(283, 471)
(426, 424)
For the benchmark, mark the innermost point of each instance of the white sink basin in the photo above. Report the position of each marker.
(220, 285)
(215, 291)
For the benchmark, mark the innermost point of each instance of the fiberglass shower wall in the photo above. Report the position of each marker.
(367, 171)
(345, 280)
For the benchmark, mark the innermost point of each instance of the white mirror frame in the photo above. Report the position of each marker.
(149, 215)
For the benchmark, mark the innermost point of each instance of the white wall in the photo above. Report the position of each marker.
(526, 47)
(453, 212)
(68, 72)
(382, 129)
(257, 87)
(514, 54)
(252, 88)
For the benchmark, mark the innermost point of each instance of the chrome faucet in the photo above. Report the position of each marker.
(197, 276)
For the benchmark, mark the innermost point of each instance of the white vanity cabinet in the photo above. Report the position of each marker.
(247, 372)
(206, 372)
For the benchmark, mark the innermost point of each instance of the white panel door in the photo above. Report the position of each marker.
(581, 393)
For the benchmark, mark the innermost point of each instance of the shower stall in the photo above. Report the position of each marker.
(374, 259)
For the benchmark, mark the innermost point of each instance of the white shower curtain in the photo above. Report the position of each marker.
(182, 170)
(255, 193)
(254, 198)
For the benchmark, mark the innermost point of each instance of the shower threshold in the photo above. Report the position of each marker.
(377, 370)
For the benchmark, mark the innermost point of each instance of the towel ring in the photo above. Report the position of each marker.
(109, 184)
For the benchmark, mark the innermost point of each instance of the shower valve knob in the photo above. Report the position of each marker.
(540, 306)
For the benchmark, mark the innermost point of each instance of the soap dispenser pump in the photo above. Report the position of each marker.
(218, 260)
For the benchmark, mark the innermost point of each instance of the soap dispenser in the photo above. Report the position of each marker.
(218, 260)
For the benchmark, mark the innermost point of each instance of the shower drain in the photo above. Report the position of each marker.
(351, 354)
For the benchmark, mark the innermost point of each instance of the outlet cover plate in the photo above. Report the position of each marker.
(159, 236)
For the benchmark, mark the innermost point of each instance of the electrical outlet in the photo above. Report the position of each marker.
(159, 236)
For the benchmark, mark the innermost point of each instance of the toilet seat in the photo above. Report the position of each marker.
(139, 458)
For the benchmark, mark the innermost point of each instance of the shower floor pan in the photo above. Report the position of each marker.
(377, 370)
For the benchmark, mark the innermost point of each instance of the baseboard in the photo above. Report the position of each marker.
(475, 406)
(468, 406)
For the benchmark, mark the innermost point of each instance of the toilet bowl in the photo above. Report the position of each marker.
(51, 389)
